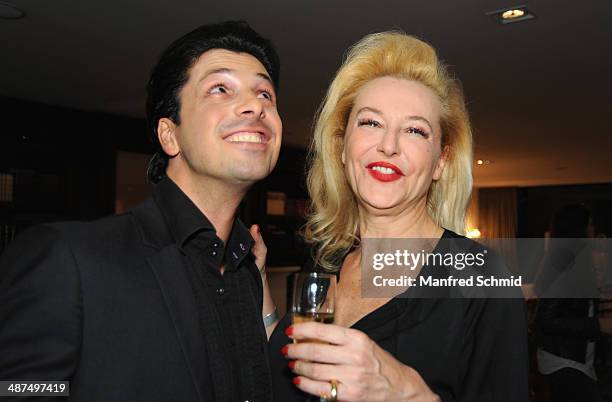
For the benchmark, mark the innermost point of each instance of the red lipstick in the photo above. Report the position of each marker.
(384, 176)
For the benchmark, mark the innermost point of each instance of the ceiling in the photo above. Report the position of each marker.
(539, 91)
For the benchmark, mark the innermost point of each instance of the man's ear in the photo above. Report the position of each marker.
(166, 133)
(441, 163)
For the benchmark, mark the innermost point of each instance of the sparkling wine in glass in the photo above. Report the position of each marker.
(314, 297)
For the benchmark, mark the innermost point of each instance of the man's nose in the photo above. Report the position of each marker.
(251, 107)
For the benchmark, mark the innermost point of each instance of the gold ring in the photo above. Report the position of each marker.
(333, 394)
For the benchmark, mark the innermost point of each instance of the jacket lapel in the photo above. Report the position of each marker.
(167, 266)
(177, 293)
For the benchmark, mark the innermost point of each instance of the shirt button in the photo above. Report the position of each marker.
(215, 244)
(214, 253)
(220, 291)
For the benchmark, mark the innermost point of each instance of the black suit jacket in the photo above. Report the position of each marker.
(564, 327)
(564, 284)
(104, 304)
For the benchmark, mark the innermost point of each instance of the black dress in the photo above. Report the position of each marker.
(466, 349)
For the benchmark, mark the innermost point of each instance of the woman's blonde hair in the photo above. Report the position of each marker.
(333, 224)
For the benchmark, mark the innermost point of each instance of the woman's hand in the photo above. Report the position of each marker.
(363, 370)
(268, 308)
(259, 249)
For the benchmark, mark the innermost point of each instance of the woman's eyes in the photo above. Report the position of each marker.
(418, 131)
(409, 130)
(368, 122)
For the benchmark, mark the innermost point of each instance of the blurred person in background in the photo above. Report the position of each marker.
(568, 325)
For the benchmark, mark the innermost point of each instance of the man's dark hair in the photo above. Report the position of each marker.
(171, 73)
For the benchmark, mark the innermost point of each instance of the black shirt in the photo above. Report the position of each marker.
(229, 304)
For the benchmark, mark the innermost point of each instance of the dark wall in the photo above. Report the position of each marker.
(62, 160)
(281, 233)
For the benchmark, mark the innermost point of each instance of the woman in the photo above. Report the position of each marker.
(391, 158)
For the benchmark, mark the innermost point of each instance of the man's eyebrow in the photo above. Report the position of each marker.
(225, 70)
(265, 77)
(222, 70)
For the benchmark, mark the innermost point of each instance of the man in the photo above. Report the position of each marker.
(163, 303)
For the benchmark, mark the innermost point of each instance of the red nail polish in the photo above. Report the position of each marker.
(285, 350)
(289, 331)
(296, 380)
(291, 364)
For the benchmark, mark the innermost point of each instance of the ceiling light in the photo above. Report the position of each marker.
(480, 161)
(511, 14)
(10, 11)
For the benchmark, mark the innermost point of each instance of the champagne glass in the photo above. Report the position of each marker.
(314, 297)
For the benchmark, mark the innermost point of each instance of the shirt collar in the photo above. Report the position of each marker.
(185, 220)
(239, 244)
